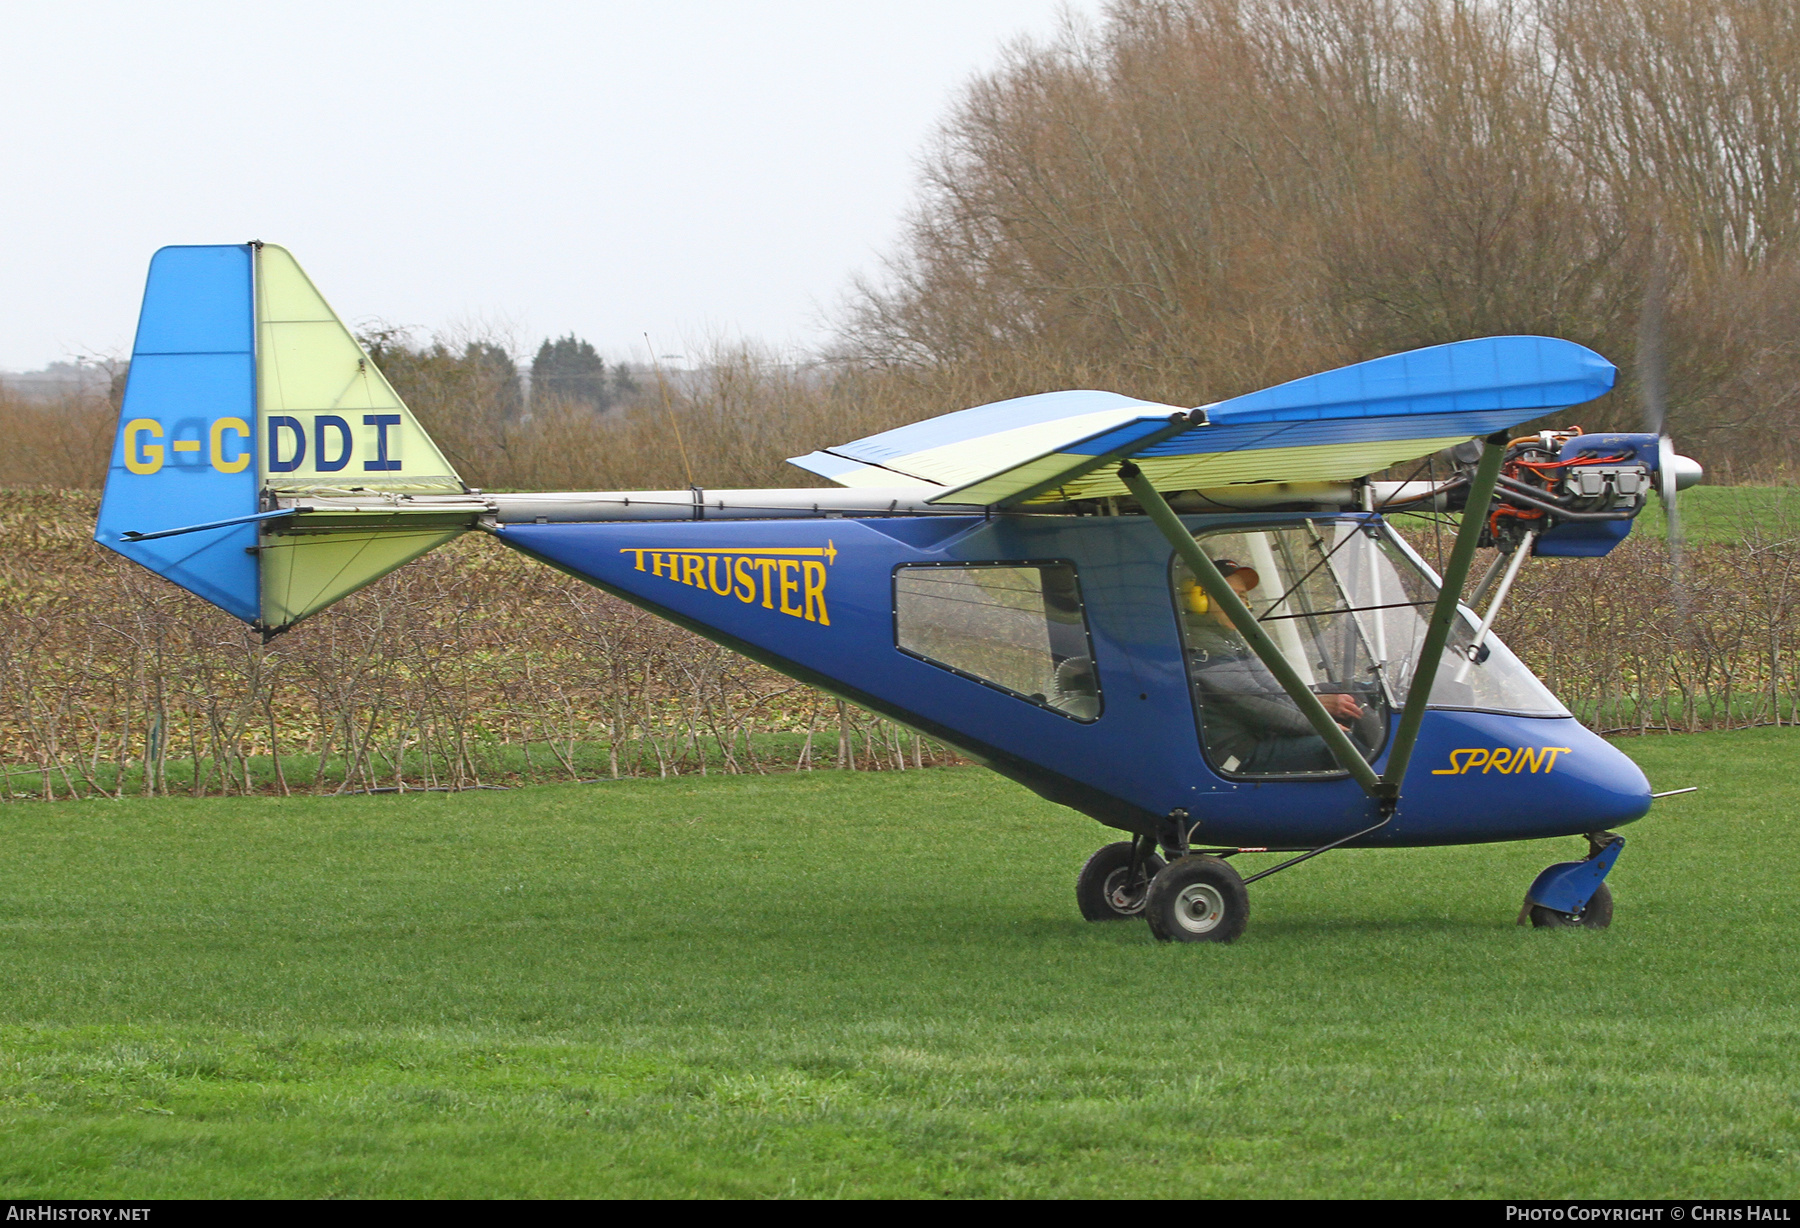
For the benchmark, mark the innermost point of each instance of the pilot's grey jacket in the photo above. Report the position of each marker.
(1241, 703)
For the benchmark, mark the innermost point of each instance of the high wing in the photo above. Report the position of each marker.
(1334, 426)
(956, 449)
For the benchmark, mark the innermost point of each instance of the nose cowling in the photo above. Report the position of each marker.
(1480, 776)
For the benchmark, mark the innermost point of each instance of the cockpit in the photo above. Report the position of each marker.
(1347, 601)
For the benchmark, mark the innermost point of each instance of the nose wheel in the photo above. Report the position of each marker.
(1574, 894)
(1596, 915)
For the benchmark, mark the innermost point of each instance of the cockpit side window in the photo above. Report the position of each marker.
(1249, 725)
(1020, 627)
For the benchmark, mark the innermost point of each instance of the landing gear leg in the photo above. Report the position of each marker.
(1114, 882)
(1574, 894)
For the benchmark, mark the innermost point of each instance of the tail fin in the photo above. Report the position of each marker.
(247, 403)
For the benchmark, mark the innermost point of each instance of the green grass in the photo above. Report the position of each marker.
(1726, 514)
(1721, 515)
(876, 985)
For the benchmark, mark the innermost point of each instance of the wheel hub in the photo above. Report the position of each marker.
(1123, 896)
(1199, 908)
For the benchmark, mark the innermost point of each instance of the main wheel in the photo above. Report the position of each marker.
(1197, 899)
(1105, 892)
(1596, 916)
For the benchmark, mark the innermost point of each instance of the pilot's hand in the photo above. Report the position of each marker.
(1343, 708)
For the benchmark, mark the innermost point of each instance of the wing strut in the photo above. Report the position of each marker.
(1384, 788)
(1159, 511)
(1443, 614)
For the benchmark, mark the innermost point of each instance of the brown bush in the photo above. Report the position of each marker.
(64, 442)
(469, 667)
(1197, 198)
(475, 666)
(1192, 200)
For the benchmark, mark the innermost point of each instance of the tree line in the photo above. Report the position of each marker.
(1191, 199)
(1196, 198)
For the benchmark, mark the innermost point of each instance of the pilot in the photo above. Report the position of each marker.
(1251, 725)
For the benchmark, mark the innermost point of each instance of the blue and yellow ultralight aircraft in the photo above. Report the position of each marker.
(1196, 626)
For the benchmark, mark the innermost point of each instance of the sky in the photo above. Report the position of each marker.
(686, 169)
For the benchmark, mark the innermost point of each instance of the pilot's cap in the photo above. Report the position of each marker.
(1231, 567)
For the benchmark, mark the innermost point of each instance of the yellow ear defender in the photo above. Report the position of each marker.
(1197, 600)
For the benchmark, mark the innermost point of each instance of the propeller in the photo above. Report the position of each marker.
(1674, 473)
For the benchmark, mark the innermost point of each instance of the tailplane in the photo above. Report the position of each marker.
(247, 398)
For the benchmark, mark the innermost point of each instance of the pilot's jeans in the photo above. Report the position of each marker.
(1301, 753)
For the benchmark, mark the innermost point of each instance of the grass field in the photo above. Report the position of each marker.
(876, 984)
(1718, 515)
(1726, 514)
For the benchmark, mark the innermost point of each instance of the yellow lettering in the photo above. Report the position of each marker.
(789, 585)
(712, 575)
(1500, 759)
(735, 573)
(815, 592)
(238, 427)
(1453, 769)
(185, 445)
(143, 458)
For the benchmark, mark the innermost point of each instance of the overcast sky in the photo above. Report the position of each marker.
(678, 167)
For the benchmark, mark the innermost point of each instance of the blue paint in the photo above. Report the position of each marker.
(1568, 886)
(287, 443)
(1581, 539)
(192, 369)
(1465, 388)
(381, 423)
(323, 460)
(1634, 447)
(1141, 758)
(1463, 377)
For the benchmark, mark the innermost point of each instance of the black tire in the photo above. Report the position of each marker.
(1101, 892)
(1596, 916)
(1197, 899)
